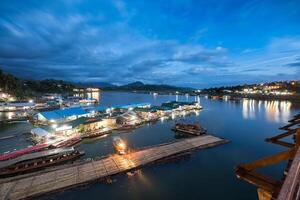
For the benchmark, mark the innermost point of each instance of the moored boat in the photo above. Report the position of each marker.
(30, 149)
(126, 127)
(96, 133)
(192, 129)
(37, 160)
(67, 143)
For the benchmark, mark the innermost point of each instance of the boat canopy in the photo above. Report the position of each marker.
(20, 152)
(40, 132)
(35, 155)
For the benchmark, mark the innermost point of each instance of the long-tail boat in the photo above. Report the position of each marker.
(38, 160)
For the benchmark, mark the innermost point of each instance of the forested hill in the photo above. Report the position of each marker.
(11, 85)
(140, 86)
(28, 88)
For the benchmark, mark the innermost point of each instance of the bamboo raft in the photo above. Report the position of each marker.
(72, 175)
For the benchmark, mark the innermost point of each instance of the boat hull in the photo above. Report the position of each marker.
(38, 164)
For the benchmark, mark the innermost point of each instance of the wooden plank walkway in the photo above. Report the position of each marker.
(77, 174)
(290, 189)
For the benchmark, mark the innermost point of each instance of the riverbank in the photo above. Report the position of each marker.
(293, 98)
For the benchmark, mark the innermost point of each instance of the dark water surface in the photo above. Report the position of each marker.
(206, 174)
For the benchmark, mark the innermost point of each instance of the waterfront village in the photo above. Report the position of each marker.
(92, 121)
(280, 88)
(64, 121)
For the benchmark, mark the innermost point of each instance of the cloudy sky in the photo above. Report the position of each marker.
(184, 42)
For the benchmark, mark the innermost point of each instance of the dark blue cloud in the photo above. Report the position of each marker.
(295, 64)
(183, 42)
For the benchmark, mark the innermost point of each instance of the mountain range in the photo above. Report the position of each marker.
(136, 86)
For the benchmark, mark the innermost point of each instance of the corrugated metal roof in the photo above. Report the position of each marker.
(63, 113)
(71, 111)
(50, 115)
(132, 105)
(98, 108)
(67, 112)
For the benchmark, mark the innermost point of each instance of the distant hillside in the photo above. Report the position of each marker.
(49, 86)
(140, 86)
(30, 88)
(134, 84)
(96, 84)
(11, 85)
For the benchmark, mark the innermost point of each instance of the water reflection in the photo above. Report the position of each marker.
(94, 95)
(186, 97)
(249, 109)
(275, 111)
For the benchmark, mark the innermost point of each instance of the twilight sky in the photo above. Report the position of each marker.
(184, 42)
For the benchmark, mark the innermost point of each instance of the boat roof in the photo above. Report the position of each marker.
(20, 152)
(35, 155)
(40, 132)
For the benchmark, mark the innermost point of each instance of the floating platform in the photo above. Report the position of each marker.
(68, 176)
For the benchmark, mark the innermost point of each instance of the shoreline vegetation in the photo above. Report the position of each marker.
(24, 89)
(18, 89)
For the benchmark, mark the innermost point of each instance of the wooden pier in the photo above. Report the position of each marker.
(72, 175)
(288, 187)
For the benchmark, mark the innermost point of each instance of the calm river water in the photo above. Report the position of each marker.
(206, 174)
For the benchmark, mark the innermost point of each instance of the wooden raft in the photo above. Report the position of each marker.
(77, 174)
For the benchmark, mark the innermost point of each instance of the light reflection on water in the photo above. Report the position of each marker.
(93, 95)
(275, 111)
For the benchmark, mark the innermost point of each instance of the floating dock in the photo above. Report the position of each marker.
(68, 176)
